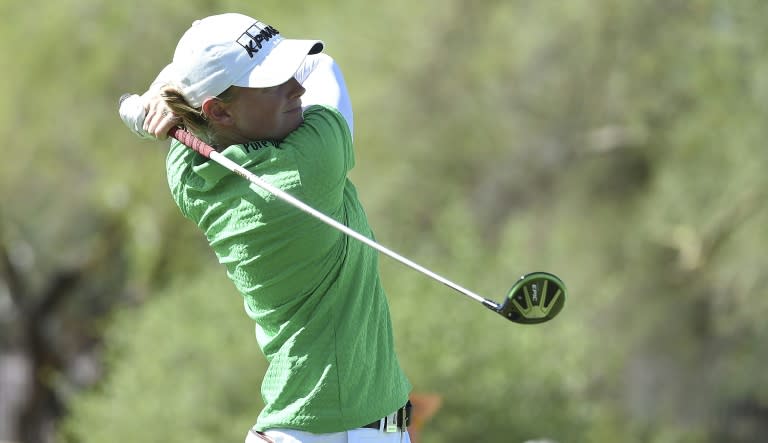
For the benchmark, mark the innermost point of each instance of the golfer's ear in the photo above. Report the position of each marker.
(216, 111)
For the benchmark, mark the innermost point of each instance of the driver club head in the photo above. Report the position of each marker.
(535, 298)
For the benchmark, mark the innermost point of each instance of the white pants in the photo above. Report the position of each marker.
(362, 435)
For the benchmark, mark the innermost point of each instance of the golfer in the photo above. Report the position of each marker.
(280, 108)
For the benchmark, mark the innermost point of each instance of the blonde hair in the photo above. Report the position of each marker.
(193, 119)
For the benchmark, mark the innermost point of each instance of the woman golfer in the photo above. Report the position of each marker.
(279, 107)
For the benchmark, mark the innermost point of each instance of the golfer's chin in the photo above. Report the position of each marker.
(292, 122)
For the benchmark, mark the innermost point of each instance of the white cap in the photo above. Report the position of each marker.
(234, 50)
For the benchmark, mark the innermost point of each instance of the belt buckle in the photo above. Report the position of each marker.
(398, 420)
(391, 422)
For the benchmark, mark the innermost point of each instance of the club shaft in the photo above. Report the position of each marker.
(196, 144)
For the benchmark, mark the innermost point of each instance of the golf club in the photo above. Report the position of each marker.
(535, 297)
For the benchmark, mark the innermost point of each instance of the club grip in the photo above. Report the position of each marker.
(192, 142)
(179, 134)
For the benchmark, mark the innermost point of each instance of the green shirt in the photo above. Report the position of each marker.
(321, 314)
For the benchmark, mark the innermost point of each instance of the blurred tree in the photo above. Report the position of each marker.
(50, 327)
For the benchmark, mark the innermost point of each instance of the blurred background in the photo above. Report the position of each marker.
(619, 145)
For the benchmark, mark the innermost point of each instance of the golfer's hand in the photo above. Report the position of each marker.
(147, 116)
(159, 118)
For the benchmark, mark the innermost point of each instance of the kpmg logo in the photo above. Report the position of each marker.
(253, 39)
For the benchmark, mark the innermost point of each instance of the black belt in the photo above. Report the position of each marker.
(398, 421)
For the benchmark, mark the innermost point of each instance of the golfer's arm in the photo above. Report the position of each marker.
(133, 108)
(324, 82)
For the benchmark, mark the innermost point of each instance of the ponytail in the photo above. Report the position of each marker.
(192, 119)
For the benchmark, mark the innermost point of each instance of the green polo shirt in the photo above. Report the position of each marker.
(315, 294)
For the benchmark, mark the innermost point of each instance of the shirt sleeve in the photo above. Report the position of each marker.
(324, 83)
(323, 151)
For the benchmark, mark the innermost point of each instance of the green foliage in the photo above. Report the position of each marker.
(617, 144)
(183, 368)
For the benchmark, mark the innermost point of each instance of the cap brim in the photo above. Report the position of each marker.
(280, 64)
